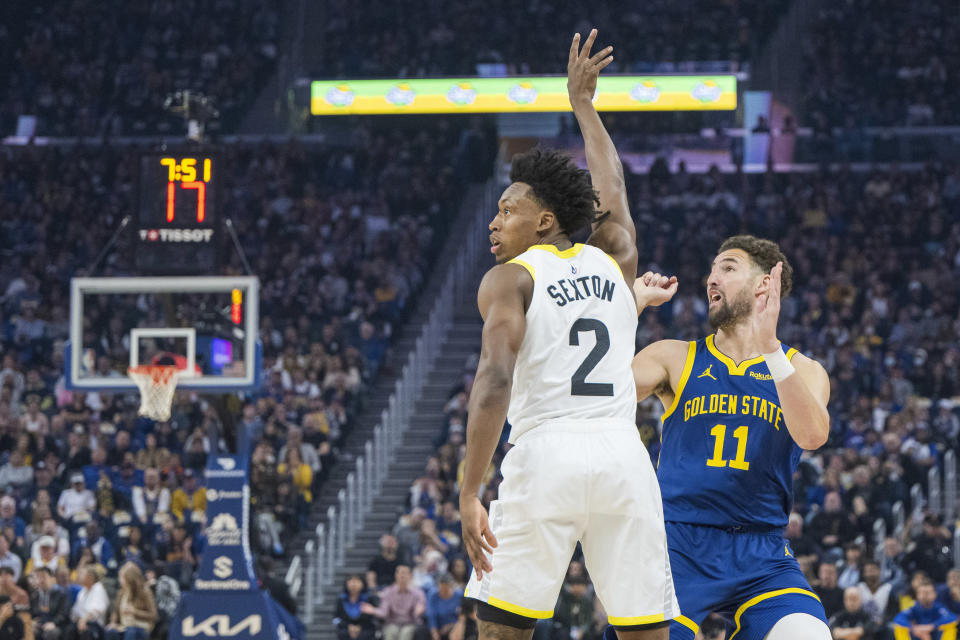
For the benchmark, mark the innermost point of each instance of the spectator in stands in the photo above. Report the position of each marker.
(16, 475)
(297, 473)
(48, 556)
(466, 627)
(44, 480)
(874, 595)
(351, 622)
(78, 449)
(10, 519)
(892, 569)
(460, 572)
(573, 617)
(133, 550)
(850, 567)
(830, 594)
(401, 608)
(89, 612)
(49, 606)
(949, 594)
(189, 502)
(151, 454)
(926, 619)
(833, 527)
(801, 545)
(8, 587)
(178, 556)
(308, 454)
(852, 623)
(383, 567)
(442, 607)
(407, 531)
(12, 626)
(430, 565)
(135, 611)
(103, 551)
(61, 537)
(931, 550)
(276, 587)
(10, 559)
(152, 498)
(76, 499)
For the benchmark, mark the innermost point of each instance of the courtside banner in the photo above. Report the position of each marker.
(519, 94)
(227, 564)
(225, 600)
(252, 615)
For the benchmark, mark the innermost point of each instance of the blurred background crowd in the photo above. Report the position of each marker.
(86, 482)
(102, 512)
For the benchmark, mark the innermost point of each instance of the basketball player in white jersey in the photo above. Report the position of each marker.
(558, 338)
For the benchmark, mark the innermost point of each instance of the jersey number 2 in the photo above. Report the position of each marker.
(578, 383)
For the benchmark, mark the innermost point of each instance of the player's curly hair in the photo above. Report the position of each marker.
(557, 184)
(765, 254)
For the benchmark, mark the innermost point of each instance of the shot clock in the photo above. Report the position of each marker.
(177, 222)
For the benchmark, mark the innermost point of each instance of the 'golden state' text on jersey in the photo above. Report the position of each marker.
(574, 363)
(727, 458)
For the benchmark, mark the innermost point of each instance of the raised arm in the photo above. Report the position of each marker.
(802, 384)
(614, 231)
(501, 299)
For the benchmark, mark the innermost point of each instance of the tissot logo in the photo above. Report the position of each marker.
(176, 235)
(220, 627)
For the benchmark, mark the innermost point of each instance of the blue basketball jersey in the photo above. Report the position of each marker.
(727, 459)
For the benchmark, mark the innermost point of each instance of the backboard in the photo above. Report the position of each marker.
(207, 325)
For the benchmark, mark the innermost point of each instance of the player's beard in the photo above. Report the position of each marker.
(729, 313)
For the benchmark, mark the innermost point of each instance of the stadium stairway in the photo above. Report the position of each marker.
(418, 442)
(411, 457)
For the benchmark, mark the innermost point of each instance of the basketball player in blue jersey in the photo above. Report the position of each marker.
(560, 321)
(739, 409)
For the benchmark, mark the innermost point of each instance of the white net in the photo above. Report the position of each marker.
(157, 384)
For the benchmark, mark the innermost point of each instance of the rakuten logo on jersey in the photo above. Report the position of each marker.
(176, 235)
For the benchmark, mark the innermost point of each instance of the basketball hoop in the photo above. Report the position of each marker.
(157, 384)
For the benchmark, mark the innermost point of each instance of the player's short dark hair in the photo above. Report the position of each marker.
(557, 184)
(765, 254)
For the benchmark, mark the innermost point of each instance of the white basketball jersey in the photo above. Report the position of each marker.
(574, 363)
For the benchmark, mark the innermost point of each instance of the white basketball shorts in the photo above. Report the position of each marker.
(586, 480)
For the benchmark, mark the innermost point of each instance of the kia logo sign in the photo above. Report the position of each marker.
(219, 626)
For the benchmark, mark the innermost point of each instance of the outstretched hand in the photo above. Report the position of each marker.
(653, 289)
(477, 536)
(767, 312)
(583, 69)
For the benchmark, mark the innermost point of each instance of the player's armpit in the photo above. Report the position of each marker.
(803, 398)
(658, 369)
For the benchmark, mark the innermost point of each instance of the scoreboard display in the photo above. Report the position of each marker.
(177, 222)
